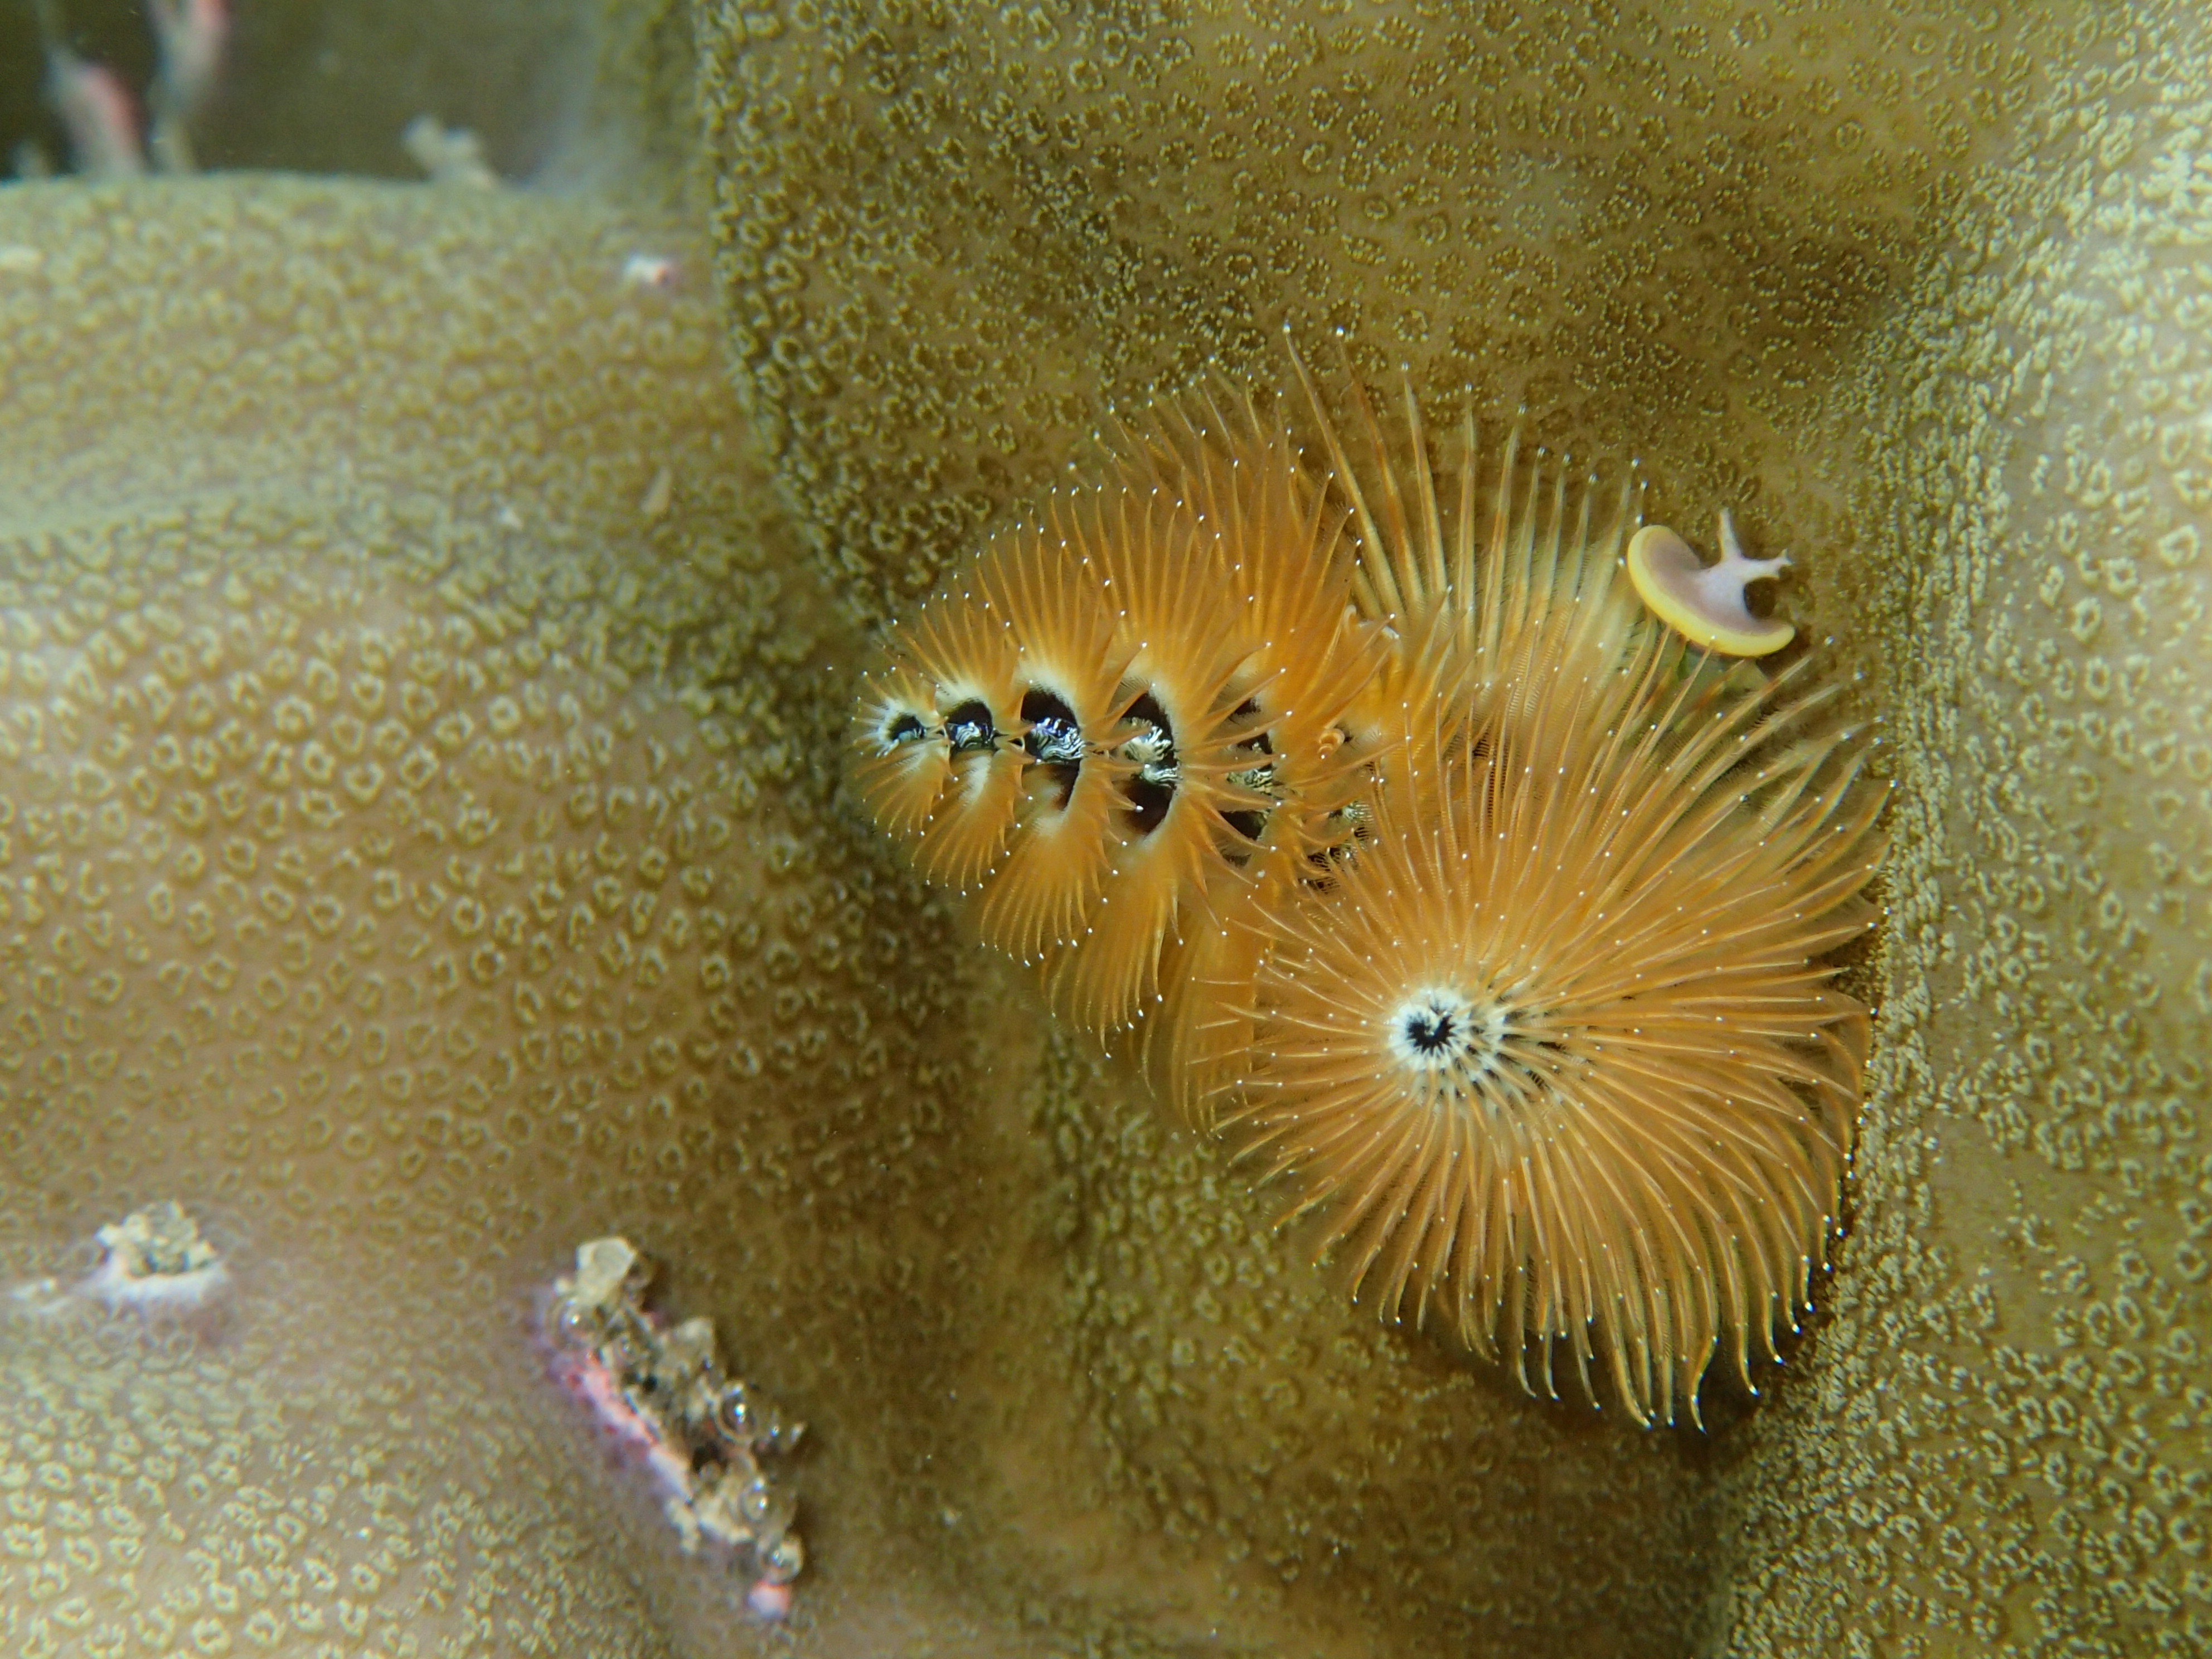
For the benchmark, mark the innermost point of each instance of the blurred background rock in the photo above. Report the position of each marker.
(544, 84)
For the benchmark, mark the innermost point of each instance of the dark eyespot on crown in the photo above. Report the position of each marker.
(970, 730)
(1431, 1030)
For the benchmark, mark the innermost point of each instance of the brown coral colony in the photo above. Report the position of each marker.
(1462, 894)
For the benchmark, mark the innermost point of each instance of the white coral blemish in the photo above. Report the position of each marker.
(156, 1261)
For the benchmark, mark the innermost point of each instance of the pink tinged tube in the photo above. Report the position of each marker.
(97, 112)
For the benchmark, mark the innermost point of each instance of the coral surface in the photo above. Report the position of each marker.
(1919, 293)
(374, 561)
(416, 864)
(2005, 1437)
(398, 876)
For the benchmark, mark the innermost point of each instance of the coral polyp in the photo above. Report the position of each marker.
(1454, 873)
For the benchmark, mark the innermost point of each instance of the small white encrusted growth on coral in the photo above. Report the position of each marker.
(450, 155)
(157, 1262)
(655, 272)
(662, 1392)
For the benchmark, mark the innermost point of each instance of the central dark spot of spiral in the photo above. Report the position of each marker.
(904, 727)
(1431, 1030)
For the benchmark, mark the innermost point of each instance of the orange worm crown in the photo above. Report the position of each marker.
(1472, 903)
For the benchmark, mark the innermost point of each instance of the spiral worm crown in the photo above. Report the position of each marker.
(1482, 910)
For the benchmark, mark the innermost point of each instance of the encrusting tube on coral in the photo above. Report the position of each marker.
(662, 1392)
(1704, 603)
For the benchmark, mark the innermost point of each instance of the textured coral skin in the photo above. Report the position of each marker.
(2016, 1374)
(1913, 294)
(1918, 294)
(387, 884)
(416, 870)
(948, 241)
